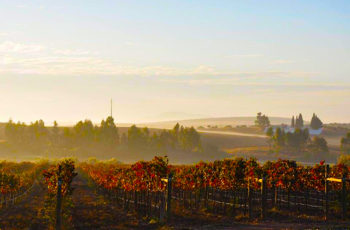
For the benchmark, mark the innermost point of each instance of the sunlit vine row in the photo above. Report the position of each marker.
(16, 178)
(226, 174)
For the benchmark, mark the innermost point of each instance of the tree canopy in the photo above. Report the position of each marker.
(84, 136)
(262, 121)
(299, 121)
(345, 144)
(316, 123)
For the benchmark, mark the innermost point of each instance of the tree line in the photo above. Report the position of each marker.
(297, 141)
(297, 122)
(85, 135)
(180, 138)
(345, 144)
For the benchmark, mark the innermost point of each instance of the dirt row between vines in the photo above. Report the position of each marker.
(93, 211)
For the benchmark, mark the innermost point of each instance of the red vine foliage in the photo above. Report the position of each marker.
(66, 173)
(228, 174)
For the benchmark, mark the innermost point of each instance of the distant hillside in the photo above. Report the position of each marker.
(219, 121)
(2, 130)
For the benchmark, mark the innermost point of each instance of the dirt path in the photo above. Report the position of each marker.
(26, 213)
(92, 211)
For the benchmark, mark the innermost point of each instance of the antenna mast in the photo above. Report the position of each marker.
(111, 107)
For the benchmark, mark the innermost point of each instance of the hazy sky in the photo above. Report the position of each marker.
(164, 59)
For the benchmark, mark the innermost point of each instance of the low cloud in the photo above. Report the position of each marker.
(21, 58)
(69, 52)
(244, 56)
(283, 61)
(13, 47)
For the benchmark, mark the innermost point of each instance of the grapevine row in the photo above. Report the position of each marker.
(225, 186)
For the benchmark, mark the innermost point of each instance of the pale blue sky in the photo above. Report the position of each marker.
(64, 60)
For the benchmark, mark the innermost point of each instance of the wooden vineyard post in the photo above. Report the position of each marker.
(274, 195)
(326, 192)
(306, 199)
(161, 207)
(344, 202)
(168, 206)
(249, 200)
(59, 200)
(135, 201)
(206, 197)
(263, 198)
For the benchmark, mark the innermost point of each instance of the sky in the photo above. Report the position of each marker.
(173, 59)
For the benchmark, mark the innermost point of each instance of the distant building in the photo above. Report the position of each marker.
(289, 129)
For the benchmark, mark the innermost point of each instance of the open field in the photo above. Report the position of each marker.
(220, 121)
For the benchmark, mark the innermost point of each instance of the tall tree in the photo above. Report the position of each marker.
(108, 131)
(84, 131)
(270, 133)
(293, 122)
(299, 123)
(319, 145)
(316, 123)
(262, 121)
(345, 144)
(137, 138)
(279, 137)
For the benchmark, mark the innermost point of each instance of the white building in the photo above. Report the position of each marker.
(289, 129)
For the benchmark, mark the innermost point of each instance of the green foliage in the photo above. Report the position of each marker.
(270, 135)
(298, 139)
(279, 138)
(319, 147)
(344, 159)
(179, 137)
(262, 121)
(345, 144)
(299, 142)
(269, 132)
(108, 132)
(316, 123)
(33, 136)
(299, 122)
(85, 137)
(137, 137)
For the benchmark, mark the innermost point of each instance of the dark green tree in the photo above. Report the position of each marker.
(269, 134)
(345, 144)
(84, 131)
(138, 138)
(108, 131)
(262, 121)
(319, 145)
(279, 138)
(316, 123)
(299, 122)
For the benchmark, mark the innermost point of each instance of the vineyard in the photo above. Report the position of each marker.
(228, 187)
(154, 194)
(16, 180)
